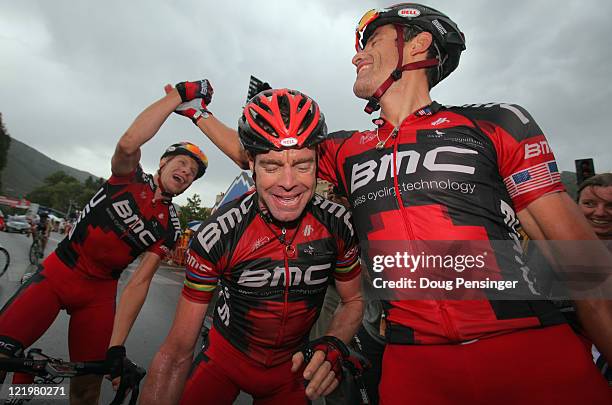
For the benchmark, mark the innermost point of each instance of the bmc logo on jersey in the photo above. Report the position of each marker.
(223, 224)
(313, 275)
(536, 149)
(352, 252)
(133, 222)
(335, 209)
(196, 263)
(175, 222)
(408, 162)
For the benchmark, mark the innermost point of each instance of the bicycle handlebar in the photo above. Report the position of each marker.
(51, 369)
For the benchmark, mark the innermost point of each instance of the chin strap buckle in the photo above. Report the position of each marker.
(373, 105)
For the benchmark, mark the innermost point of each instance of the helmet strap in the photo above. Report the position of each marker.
(374, 100)
(165, 194)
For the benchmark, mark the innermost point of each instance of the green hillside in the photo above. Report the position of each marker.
(26, 168)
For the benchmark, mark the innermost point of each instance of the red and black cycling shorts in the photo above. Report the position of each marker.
(222, 371)
(33, 308)
(534, 366)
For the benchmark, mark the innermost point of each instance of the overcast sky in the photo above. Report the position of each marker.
(74, 74)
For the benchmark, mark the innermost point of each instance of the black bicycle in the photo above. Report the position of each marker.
(36, 252)
(52, 371)
(5, 260)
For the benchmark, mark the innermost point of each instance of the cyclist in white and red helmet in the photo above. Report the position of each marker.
(271, 253)
(429, 172)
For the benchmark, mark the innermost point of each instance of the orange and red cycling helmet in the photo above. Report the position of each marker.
(191, 150)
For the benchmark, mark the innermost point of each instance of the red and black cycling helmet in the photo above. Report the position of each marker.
(191, 150)
(278, 119)
(449, 41)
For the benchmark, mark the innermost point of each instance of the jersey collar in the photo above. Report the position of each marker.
(428, 110)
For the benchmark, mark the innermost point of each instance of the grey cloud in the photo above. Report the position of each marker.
(75, 74)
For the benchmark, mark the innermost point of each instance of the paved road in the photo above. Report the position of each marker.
(148, 332)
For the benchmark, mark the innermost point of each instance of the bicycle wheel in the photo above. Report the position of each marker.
(5, 260)
(34, 253)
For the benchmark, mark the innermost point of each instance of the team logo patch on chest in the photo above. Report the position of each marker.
(131, 224)
(292, 276)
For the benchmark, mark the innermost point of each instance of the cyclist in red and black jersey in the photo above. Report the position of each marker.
(271, 253)
(462, 173)
(130, 215)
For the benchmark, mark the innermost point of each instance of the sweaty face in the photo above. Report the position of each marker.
(376, 61)
(285, 181)
(596, 205)
(178, 173)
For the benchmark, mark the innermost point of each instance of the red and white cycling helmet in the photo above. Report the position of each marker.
(279, 119)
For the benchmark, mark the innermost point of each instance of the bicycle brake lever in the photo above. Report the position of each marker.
(130, 381)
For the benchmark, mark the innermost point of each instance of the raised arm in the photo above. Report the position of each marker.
(144, 127)
(224, 137)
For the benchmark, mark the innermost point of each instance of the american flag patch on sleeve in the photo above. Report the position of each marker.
(532, 178)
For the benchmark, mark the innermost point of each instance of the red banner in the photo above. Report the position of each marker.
(14, 202)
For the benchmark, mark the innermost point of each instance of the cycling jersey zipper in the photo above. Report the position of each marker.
(398, 196)
(451, 332)
(285, 299)
(446, 319)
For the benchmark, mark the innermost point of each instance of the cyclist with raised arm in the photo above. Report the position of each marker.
(271, 254)
(130, 215)
(427, 172)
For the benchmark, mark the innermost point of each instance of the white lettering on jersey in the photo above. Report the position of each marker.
(175, 222)
(335, 209)
(536, 149)
(228, 221)
(223, 305)
(430, 160)
(364, 173)
(512, 222)
(439, 121)
(272, 278)
(95, 200)
(196, 264)
(308, 230)
(134, 222)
